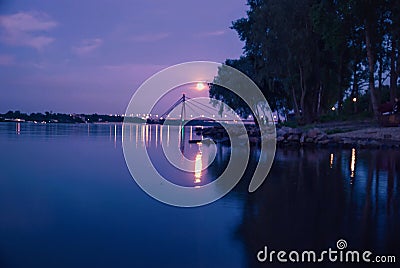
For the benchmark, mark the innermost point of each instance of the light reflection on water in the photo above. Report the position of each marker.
(65, 192)
(353, 163)
(310, 201)
(198, 167)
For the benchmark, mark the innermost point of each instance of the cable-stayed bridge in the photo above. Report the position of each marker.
(194, 111)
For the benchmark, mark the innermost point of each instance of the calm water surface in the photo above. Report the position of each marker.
(67, 199)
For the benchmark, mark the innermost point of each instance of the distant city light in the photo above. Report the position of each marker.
(354, 99)
(333, 108)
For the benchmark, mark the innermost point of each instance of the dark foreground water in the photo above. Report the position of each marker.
(67, 199)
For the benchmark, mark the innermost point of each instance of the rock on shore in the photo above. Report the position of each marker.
(363, 138)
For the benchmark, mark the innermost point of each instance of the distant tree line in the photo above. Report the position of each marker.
(50, 117)
(311, 55)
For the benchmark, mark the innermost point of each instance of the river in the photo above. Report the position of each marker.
(67, 199)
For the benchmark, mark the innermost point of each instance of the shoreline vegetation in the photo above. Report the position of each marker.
(50, 117)
(360, 134)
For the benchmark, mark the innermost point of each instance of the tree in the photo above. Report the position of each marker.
(286, 54)
(309, 55)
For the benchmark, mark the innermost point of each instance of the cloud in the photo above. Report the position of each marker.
(144, 71)
(133, 74)
(110, 76)
(213, 33)
(6, 59)
(150, 37)
(87, 46)
(27, 29)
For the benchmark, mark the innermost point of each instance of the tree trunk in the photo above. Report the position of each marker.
(294, 97)
(340, 82)
(295, 105)
(371, 65)
(303, 91)
(380, 73)
(319, 100)
(393, 72)
(355, 88)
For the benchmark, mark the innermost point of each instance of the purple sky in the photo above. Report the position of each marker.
(90, 56)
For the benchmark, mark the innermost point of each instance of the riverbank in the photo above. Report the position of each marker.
(345, 136)
(360, 134)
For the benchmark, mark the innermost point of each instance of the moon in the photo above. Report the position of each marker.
(200, 86)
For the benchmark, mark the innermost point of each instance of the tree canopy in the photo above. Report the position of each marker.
(309, 55)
